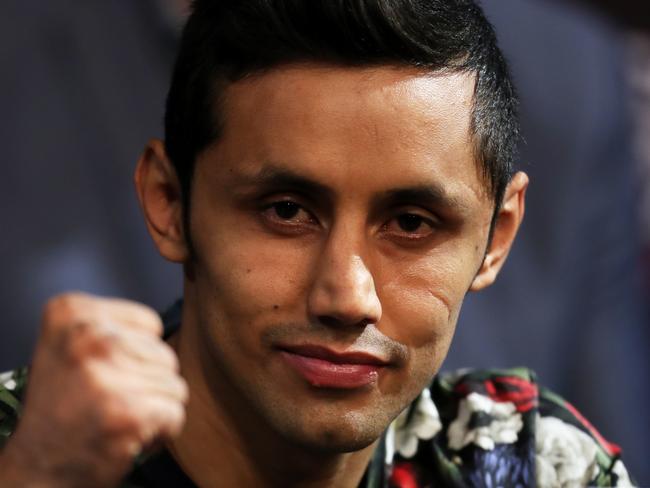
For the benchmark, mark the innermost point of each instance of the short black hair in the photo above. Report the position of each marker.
(226, 40)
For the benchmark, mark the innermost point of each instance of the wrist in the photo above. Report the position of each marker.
(17, 471)
(11, 474)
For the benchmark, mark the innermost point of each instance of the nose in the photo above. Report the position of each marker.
(343, 291)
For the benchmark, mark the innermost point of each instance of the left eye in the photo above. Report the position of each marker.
(410, 222)
(410, 225)
(286, 210)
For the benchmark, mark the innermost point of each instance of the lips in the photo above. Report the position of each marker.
(324, 368)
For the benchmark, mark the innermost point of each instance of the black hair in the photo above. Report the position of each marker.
(226, 40)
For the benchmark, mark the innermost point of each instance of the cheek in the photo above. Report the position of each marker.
(420, 309)
(422, 302)
(254, 278)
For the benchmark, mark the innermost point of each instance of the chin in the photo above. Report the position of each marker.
(332, 442)
(342, 433)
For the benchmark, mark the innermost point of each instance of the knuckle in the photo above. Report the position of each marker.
(84, 340)
(176, 421)
(169, 418)
(143, 316)
(64, 310)
(170, 356)
(73, 343)
(96, 387)
(152, 321)
(180, 414)
(59, 309)
(148, 312)
(184, 390)
(119, 418)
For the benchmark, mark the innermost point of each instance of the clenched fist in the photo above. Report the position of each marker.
(103, 386)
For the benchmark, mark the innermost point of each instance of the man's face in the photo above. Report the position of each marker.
(337, 224)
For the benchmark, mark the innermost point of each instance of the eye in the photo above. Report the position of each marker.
(410, 222)
(286, 210)
(410, 225)
(286, 213)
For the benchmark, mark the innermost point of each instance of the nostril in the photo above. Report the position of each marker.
(329, 321)
(332, 321)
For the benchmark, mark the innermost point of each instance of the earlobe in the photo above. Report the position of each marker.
(507, 224)
(159, 193)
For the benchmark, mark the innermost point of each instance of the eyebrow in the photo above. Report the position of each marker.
(273, 177)
(433, 195)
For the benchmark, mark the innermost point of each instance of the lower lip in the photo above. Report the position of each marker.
(325, 374)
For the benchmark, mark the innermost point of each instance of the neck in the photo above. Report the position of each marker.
(225, 443)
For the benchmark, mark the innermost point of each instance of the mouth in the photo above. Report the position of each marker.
(322, 367)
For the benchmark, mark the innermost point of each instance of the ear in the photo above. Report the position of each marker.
(508, 220)
(159, 193)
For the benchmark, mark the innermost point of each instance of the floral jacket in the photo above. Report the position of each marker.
(472, 428)
(494, 428)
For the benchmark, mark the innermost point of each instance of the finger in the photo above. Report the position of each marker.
(171, 419)
(148, 382)
(140, 316)
(125, 377)
(109, 340)
(71, 309)
(145, 348)
(160, 418)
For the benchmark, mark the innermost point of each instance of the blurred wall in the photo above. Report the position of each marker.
(82, 89)
(569, 302)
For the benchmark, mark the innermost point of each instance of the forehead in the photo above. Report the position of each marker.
(379, 125)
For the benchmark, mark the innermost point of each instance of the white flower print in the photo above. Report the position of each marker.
(404, 433)
(621, 472)
(565, 456)
(503, 428)
(7, 380)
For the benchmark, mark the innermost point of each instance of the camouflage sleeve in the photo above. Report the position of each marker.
(12, 388)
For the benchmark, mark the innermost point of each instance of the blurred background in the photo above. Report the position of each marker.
(82, 89)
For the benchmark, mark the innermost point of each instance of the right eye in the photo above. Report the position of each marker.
(287, 214)
(286, 210)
